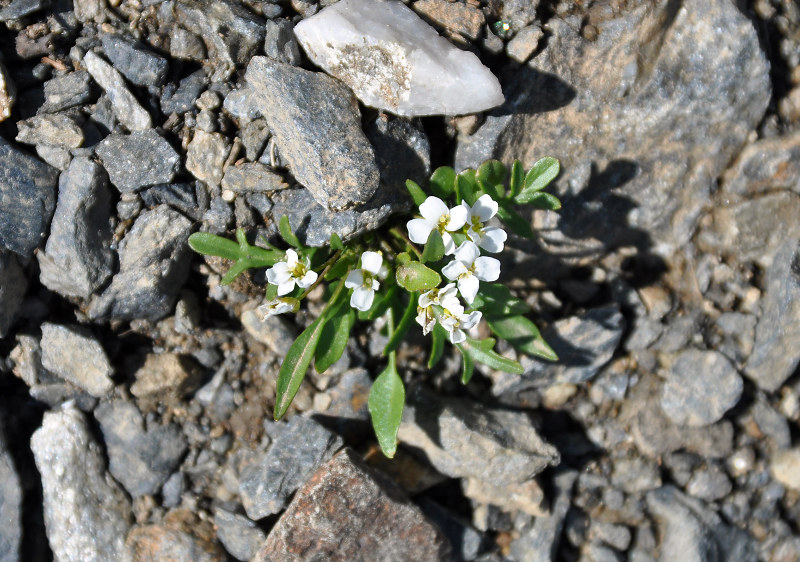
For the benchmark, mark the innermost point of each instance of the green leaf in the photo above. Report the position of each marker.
(236, 269)
(338, 269)
(517, 178)
(414, 276)
(542, 200)
(434, 248)
(438, 337)
(496, 301)
(212, 245)
(542, 173)
(271, 293)
(402, 326)
(287, 234)
(467, 365)
(402, 258)
(336, 242)
(386, 400)
(520, 226)
(491, 177)
(295, 365)
(523, 335)
(467, 187)
(443, 182)
(482, 352)
(416, 192)
(335, 334)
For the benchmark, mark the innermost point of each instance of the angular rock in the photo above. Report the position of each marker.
(27, 199)
(137, 160)
(51, 129)
(186, 45)
(325, 148)
(153, 265)
(67, 90)
(700, 387)
(10, 506)
(267, 482)
(74, 355)
(527, 497)
(461, 438)
(348, 512)
(86, 513)
(777, 330)
(691, 531)
(402, 151)
(135, 60)
(90, 10)
(280, 43)
(18, 9)
(466, 540)
(643, 118)
(182, 197)
(77, 258)
(8, 93)
(13, 284)
(455, 17)
(232, 33)
(239, 535)
(180, 99)
(140, 460)
(252, 176)
(394, 61)
(205, 156)
(126, 108)
(765, 165)
(275, 332)
(181, 536)
(166, 377)
(524, 43)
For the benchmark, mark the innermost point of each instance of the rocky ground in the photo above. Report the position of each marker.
(136, 392)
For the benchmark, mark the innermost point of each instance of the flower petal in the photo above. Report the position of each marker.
(291, 258)
(308, 279)
(484, 208)
(454, 269)
(457, 336)
(449, 243)
(469, 320)
(487, 269)
(432, 209)
(286, 287)
(279, 273)
(468, 287)
(419, 230)
(493, 239)
(467, 253)
(354, 279)
(458, 216)
(371, 261)
(362, 298)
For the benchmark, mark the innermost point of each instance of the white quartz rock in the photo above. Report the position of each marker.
(393, 60)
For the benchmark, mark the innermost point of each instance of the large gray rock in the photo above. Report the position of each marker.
(137, 62)
(13, 284)
(77, 258)
(348, 512)
(317, 127)
(461, 438)
(27, 199)
(774, 356)
(86, 513)
(76, 356)
(643, 118)
(138, 160)
(126, 108)
(140, 460)
(67, 90)
(10, 506)
(153, 265)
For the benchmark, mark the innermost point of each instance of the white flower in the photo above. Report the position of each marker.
(285, 274)
(490, 238)
(455, 324)
(469, 267)
(364, 280)
(278, 306)
(444, 297)
(436, 215)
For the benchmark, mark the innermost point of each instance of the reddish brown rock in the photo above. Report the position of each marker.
(180, 537)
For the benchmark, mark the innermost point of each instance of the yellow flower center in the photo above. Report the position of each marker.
(299, 270)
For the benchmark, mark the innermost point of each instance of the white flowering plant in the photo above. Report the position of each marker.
(437, 271)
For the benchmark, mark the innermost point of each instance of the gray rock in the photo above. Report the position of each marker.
(219, 217)
(52, 129)
(27, 359)
(785, 467)
(126, 108)
(709, 483)
(180, 98)
(347, 412)
(140, 460)
(539, 542)
(27, 199)
(774, 428)
(180, 196)
(524, 43)
(238, 534)
(180, 536)
(13, 284)
(734, 335)
(466, 540)
(18, 9)
(765, 165)
(137, 160)
(77, 258)
(275, 332)
(205, 156)
(267, 482)
(635, 474)
(10, 506)
(172, 490)
(657, 104)
(700, 387)
(67, 90)
(166, 377)
(461, 438)
(280, 43)
(90, 10)
(254, 134)
(86, 513)
(348, 512)
(153, 265)
(402, 151)
(186, 45)
(691, 531)
(325, 149)
(76, 356)
(252, 176)
(232, 33)
(135, 60)
(778, 331)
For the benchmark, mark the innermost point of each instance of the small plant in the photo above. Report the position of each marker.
(437, 273)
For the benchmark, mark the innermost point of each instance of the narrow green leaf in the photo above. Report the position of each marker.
(338, 269)
(416, 192)
(443, 182)
(523, 335)
(236, 269)
(496, 301)
(402, 326)
(286, 232)
(542, 200)
(434, 248)
(542, 173)
(414, 276)
(295, 365)
(520, 226)
(467, 187)
(491, 176)
(386, 401)
(467, 364)
(380, 305)
(336, 242)
(482, 352)
(335, 334)
(212, 245)
(438, 337)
